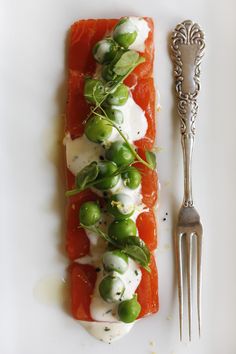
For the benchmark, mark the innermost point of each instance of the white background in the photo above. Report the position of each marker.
(33, 92)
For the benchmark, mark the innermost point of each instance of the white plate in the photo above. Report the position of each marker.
(33, 92)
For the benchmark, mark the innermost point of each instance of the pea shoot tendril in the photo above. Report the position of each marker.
(132, 246)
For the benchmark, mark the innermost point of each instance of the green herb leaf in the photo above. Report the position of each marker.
(132, 241)
(151, 159)
(126, 62)
(87, 175)
(136, 249)
(97, 231)
(137, 254)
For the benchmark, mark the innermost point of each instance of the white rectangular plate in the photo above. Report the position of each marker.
(33, 92)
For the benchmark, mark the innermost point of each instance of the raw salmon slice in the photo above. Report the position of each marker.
(83, 35)
(83, 278)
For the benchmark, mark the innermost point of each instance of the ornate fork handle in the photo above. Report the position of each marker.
(187, 50)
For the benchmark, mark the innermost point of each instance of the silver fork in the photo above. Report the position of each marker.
(187, 50)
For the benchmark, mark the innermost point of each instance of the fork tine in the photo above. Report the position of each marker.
(199, 279)
(189, 277)
(178, 247)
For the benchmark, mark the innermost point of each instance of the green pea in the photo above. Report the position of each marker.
(121, 206)
(129, 310)
(97, 129)
(132, 177)
(106, 169)
(115, 115)
(120, 229)
(119, 97)
(115, 261)
(89, 213)
(94, 90)
(105, 50)
(120, 153)
(125, 32)
(111, 288)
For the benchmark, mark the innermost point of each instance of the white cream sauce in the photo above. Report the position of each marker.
(80, 152)
(135, 123)
(124, 204)
(143, 30)
(112, 260)
(104, 311)
(107, 331)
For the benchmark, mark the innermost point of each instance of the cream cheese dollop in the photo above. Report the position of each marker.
(107, 331)
(104, 311)
(80, 152)
(134, 125)
(142, 35)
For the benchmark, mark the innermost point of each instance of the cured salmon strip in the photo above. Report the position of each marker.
(83, 36)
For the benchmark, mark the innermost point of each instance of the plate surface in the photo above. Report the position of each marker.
(34, 319)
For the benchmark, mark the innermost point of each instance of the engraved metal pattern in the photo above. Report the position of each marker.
(187, 34)
(187, 48)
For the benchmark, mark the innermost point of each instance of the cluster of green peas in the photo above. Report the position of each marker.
(111, 288)
(107, 52)
(97, 129)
